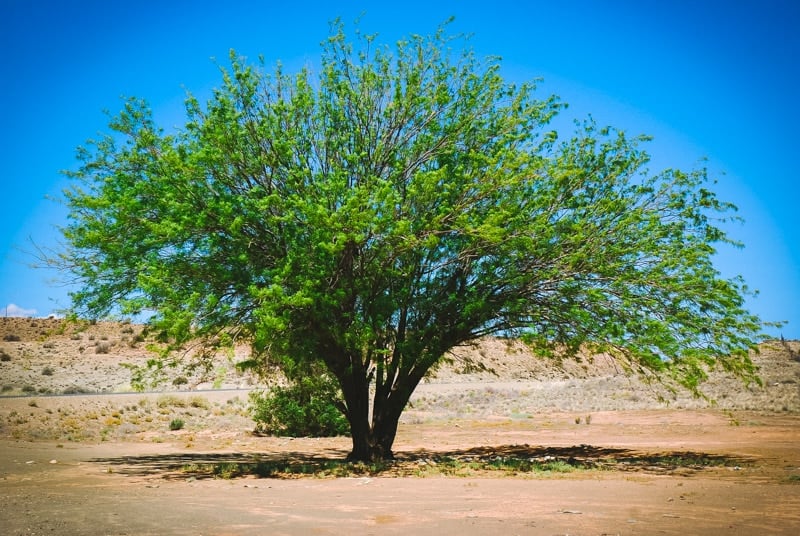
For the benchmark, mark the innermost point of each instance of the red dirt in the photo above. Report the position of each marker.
(137, 487)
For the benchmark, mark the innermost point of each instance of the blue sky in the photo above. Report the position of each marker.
(707, 79)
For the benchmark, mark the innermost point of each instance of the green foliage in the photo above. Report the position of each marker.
(176, 424)
(398, 204)
(305, 408)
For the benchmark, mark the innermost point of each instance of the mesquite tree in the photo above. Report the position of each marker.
(371, 214)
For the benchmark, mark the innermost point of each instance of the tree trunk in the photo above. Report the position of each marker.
(374, 441)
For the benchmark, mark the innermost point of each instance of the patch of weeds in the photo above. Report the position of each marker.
(732, 420)
(7, 388)
(28, 389)
(199, 402)
(287, 469)
(167, 401)
(793, 479)
(112, 421)
(439, 466)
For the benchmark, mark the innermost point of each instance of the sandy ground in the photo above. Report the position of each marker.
(108, 464)
(142, 487)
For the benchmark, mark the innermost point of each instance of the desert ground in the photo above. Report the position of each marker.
(495, 442)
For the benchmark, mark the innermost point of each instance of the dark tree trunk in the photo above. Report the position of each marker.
(373, 437)
(373, 441)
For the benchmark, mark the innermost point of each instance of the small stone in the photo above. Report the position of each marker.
(53, 461)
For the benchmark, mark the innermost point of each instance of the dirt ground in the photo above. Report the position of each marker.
(141, 487)
(622, 463)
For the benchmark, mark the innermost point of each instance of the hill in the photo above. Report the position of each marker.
(53, 356)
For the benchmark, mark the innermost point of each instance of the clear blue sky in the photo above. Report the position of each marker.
(714, 79)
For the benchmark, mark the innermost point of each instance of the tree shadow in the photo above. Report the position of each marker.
(475, 461)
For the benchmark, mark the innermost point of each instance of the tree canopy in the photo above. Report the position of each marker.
(373, 213)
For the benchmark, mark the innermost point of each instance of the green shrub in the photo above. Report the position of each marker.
(47, 371)
(303, 409)
(176, 424)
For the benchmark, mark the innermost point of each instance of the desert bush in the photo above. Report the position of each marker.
(11, 338)
(76, 390)
(28, 389)
(165, 401)
(199, 402)
(6, 388)
(102, 348)
(180, 380)
(4, 357)
(304, 408)
(47, 371)
(176, 424)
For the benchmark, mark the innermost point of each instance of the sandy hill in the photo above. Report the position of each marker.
(52, 356)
